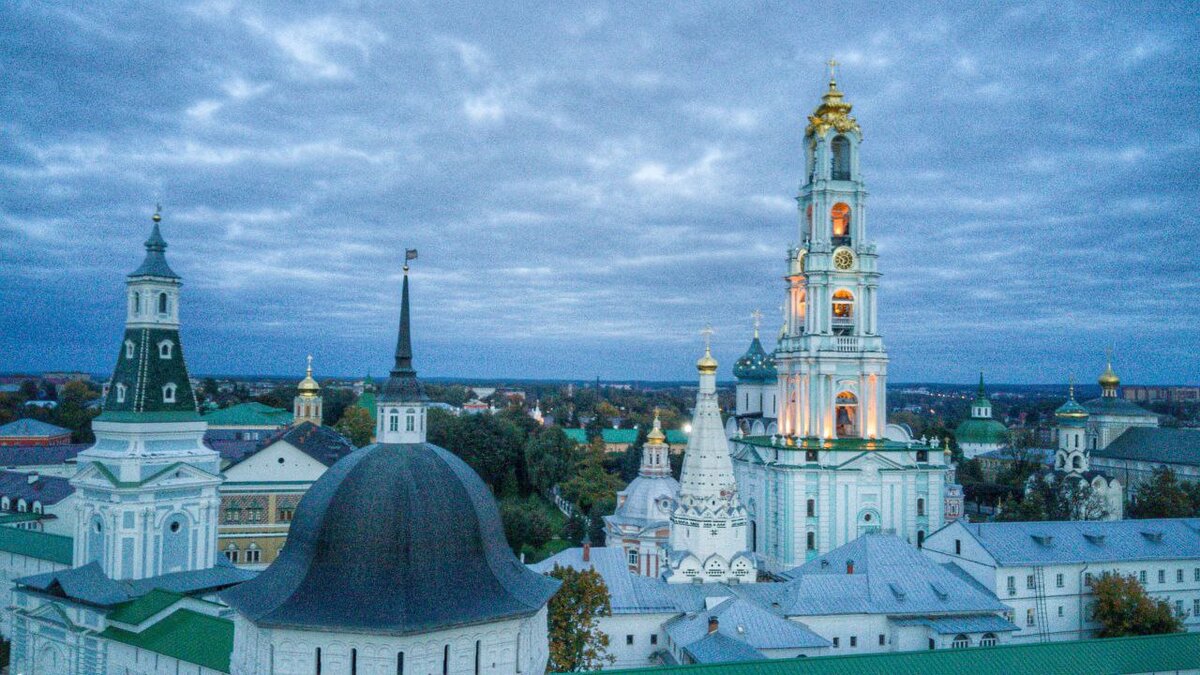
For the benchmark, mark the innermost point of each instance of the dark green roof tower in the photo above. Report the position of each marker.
(401, 403)
(150, 381)
(147, 490)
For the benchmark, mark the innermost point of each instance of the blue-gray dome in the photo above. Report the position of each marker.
(394, 539)
(648, 499)
(755, 365)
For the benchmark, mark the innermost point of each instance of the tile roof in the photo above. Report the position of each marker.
(252, 414)
(746, 622)
(27, 427)
(1153, 653)
(890, 577)
(41, 545)
(721, 648)
(185, 635)
(1087, 541)
(49, 490)
(40, 455)
(1155, 444)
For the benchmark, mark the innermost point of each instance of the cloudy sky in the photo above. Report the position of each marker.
(589, 185)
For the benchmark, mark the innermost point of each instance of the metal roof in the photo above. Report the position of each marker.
(155, 262)
(433, 557)
(746, 622)
(1087, 541)
(953, 625)
(1111, 405)
(721, 648)
(38, 455)
(90, 585)
(628, 593)
(185, 635)
(34, 544)
(890, 576)
(324, 444)
(27, 427)
(48, 490)
(252, 414)
(1153, 653)
(1155, 444)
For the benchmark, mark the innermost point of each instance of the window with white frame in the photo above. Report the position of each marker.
(960, 642)
(253, 554)
(1012, 585)
(231, 554)
(411, 422)
(1029, 618)
(120, 393)
(988, 640)
(1196, 607)
(169, 392)
(394, 420)
(1142, 577)
(1030, 583)
(1058, 580)
(165, 349)
(633, 556)
(129, 349)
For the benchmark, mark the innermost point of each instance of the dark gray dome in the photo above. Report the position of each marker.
(397, 539)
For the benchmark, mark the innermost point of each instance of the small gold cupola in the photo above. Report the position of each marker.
(834, 111)
(1109, 380)
(308, 387)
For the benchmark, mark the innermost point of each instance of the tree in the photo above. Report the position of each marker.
(550, 458)
(1163, 497)
(596, 533)
(574, 530)
(576, 641)
(1049, 497)
(357, 425)
(525, 524)
(1123, 608)
(592, 483)
(72, 412)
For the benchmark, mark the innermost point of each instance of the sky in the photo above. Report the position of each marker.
(589, 185)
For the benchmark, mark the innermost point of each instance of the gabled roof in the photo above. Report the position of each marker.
(137, 611)
(49, 490)
(252, 414)
(1146, 654)
(27, 427)
(721, 648)
(890, 576)
(41, 545)
(577, 435)
(1041, 543)
(1155, 444)
(747, 622)
(185, 635)
(628, 593)
(90, 585)
(324, 444)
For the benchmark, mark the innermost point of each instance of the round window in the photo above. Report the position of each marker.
(867, 518)
(280, 460)
(175, 526)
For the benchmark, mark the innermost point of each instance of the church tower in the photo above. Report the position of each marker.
(401, 404)
(1072, 454)
(147, 489)
(831, 362)
(708, 524)
(307, 406)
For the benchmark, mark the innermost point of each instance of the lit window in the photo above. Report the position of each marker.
(840, 216)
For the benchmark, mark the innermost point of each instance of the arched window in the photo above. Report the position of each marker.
(840, 219)
(231, 553)
(169, 392)
(120, 393)
(21, 506)
(843, 307)
(37, 507)
(988, 640)
(162, 303)
(165, 348)
(137, 303)
(810, 508)
(960, 642)
(1077, 463)
(840, 149)
(920, 506)
(846, 414)
(399, 663)
(920, 538)
(810, 541)
(5, 504)
(129, 349)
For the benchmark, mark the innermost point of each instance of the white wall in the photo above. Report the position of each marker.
(648, 637)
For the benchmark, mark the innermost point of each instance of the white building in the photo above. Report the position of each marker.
(708, 524)
(756, 400)
(1044, 570)
(980, 432)
(641, 524)
(837, 470)
(1072, 466)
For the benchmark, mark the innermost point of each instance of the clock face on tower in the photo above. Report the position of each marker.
(843, 259)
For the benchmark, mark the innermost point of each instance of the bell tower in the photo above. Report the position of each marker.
(831, 360)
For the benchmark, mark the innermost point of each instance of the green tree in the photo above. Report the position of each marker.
(576, 641)
(591, 482)
(1049, 497)
(72, 412)
(550, 458)
(1163, 496)
(574, 529)
(1123, 608)
(357, 425)
(492, 445)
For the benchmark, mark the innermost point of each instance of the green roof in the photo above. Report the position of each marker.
(619, 435)
(126, 416)
(40, 545)
(367, 400)
(252, 414)
(137, 611)
(577, 435)
(1152, 653)
(676, 437)
(185, 635)
(975, 430)
(143, 374)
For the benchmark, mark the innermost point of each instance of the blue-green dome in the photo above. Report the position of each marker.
(981, 431)
(1071, 414)
(755, 365)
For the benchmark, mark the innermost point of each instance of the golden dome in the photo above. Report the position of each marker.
(1109, 379)
(707, 365)
(833, 113)
(308, 387)
(656, 435)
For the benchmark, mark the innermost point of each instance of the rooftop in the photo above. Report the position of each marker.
(40, 545)
(324, 444)
(1153, 653)
(185, 635)
(1102, 541)
(252, 414)
(1155, 444)
(27, 427)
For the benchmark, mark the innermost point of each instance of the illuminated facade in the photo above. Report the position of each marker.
(835, 470)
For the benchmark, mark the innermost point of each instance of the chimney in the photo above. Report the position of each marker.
(587, 551)
(33, 478)
(849, 566)
(713, 624)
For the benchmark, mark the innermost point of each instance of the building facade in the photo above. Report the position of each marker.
(641, 524)
(836, 469)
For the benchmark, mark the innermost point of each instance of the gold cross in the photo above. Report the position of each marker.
(833, 64)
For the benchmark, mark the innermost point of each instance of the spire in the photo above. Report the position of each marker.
(403, 385)
(155, 263)
(981, 384)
